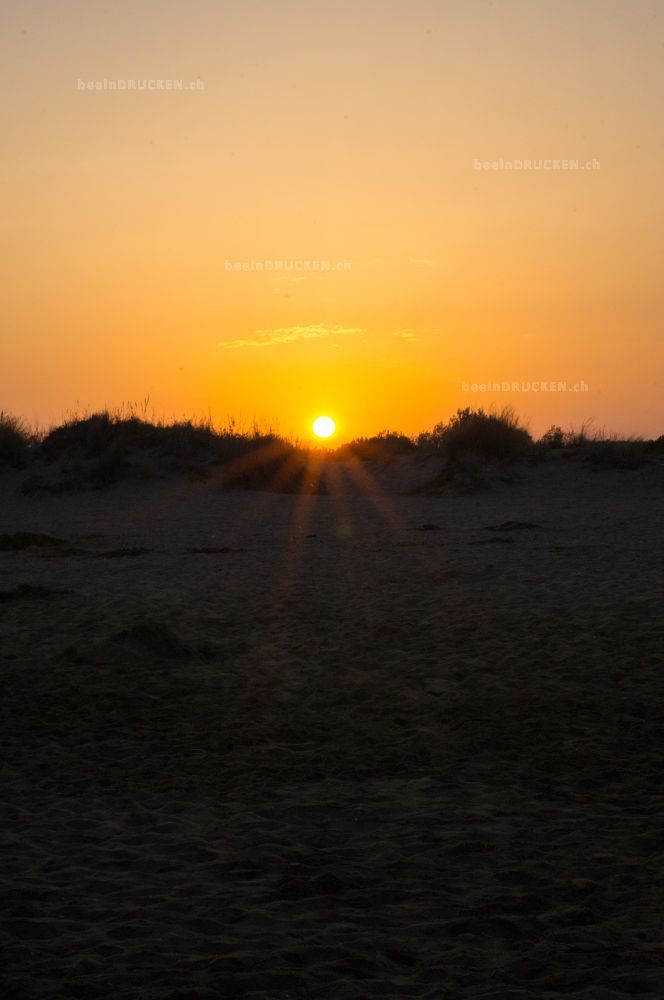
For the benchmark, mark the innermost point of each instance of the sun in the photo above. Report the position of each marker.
(324, 427)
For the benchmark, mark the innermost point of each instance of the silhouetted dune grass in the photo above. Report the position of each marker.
(382, 447)
(15, 441)
(598, 448)
(181, 443)
(100, 449)
(477, 449)
(492, 436)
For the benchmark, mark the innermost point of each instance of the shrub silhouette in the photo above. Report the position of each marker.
(553, 438)
(491, 436)
(14, 441)
(100, 449)
(380, 447)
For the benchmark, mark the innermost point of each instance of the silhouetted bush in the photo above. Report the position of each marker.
(88, 437)
(553, 438)
(597, 447)
(572, 438)
(431, 442)
(479, 448)
(380, 447)
(490, 436)
(102, 448)
(14, 441)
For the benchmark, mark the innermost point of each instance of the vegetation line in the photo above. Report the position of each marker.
(95, 450)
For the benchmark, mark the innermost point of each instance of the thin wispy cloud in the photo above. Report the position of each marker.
(421, 260)
(405, 334)
(287, 334)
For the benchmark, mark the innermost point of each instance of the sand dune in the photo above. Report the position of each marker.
(293, 747)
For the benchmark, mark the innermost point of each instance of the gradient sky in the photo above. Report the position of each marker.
(342, 132)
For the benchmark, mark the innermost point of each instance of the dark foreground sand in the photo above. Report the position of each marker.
(334, 756)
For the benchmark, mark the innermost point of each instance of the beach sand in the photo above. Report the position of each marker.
(272, 746)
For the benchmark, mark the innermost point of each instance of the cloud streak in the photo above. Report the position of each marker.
(405, 334)
(288, 334)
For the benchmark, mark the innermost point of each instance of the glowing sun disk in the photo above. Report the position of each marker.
(323, 427)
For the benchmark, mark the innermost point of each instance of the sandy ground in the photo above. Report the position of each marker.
(274, 746)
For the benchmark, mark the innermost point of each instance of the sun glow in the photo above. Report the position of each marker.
(324, 427)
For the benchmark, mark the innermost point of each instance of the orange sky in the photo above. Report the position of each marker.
(343, 132)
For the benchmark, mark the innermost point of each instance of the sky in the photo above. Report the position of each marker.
(342, 149)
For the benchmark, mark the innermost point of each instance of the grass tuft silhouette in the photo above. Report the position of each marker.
(95, 450)
(382, 447)
(15, 441)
